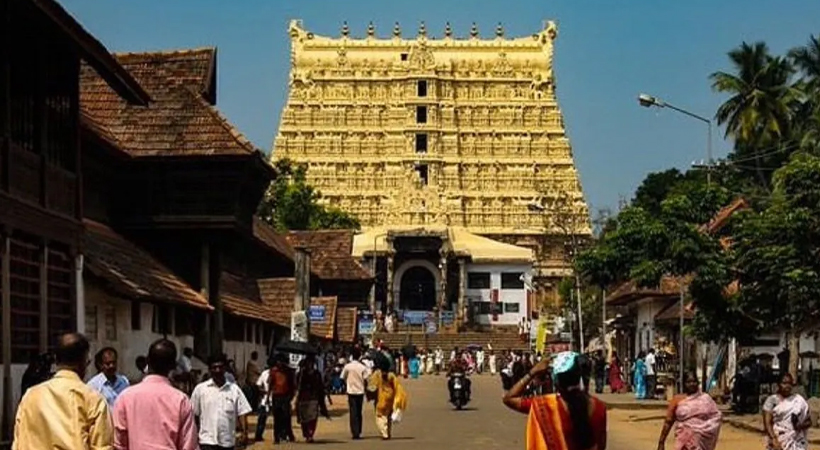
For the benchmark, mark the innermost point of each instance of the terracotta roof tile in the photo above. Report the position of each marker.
(278, 295)
(330, 253)
(179, 121)
(672, 312)
(240, 297)
(722, 216)
(346, 323)
(326, 329)
(268, 236)
(630, 291)
(132, 271)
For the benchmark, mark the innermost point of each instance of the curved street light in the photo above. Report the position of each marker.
(648, 101)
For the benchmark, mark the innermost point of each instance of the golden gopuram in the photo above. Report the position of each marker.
(453, 155)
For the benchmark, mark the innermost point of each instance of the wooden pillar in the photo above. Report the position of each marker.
(44, 298)
(79, 291)
(202, 342)
(462, 291)
(442, 287)
(390, 294)
(8, 394)
(215, 299)
(301, 272)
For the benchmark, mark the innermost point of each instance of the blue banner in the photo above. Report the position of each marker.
(317, 313)
(367, 325)
(415, 317)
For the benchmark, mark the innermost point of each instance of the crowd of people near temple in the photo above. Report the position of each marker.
(171, 407)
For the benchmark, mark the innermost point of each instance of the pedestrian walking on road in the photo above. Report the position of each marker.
(108, 382)
(639, 377)
(651, 377)
(154, 414)
(616, 382)
(569, 420)
(310, 397)
(384, 389)
(786, 417)
(355, 375)
(218, 403)
(51, 413)
(277, 386)
(697, 417)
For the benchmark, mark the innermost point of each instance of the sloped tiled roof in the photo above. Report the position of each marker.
(133, 272)
(672, 312)
(327, 328)
(178, 121)
(278, 295)
(628, 291)
(346, 323)
(331, 257)
(240, 297)
(268, 236)
(93, 52)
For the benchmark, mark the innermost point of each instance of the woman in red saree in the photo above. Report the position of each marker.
(616, 381)
(697, 416)
(569, 420)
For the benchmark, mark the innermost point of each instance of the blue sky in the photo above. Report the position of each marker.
(606, 53)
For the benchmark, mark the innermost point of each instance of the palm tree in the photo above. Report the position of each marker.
(758, 114)
(807, 60)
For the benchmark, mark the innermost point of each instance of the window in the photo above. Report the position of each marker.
(421, 114)
(483, 307)
(421, 142)
(162, 320)
(512, 308)
(24, 274)
(421, 88)
(512, 280)
(91, 322)
(136, 316)
(183, 319)
(423, 172)
(404, 56)
(110, 323)
(478, 280)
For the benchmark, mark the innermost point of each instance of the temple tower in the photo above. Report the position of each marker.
(451, 131)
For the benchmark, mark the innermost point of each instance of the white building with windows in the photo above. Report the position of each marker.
(497, 294)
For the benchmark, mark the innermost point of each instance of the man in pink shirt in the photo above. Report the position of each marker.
(153, 414)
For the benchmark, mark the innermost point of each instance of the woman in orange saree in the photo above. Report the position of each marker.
(569, 420)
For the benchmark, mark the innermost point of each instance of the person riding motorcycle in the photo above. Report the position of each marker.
(458, 365)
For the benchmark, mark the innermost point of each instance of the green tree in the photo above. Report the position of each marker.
(776, 253)
(759, 112)
(591, 308)
(292, 204)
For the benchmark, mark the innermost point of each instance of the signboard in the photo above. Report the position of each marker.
(448, 317)
(298, 333)
(317, 313)
(367, 324)
(431, 327)
(414, 317)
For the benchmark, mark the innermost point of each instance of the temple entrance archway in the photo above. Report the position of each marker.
(418, 283)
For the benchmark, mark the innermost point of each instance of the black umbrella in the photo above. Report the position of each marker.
(297, 347)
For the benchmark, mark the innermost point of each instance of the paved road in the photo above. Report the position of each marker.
(431, 423)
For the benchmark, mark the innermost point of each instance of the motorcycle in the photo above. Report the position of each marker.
(458, 396)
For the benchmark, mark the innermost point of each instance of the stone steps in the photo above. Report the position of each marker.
(499, 341)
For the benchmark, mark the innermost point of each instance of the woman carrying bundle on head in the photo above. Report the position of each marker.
(568, 420)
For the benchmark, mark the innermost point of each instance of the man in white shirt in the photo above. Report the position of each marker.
(651, 377)
(217, 404)
(355, 375)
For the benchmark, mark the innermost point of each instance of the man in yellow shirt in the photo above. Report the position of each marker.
(64, 412)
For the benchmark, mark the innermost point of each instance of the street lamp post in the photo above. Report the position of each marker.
(648, 101)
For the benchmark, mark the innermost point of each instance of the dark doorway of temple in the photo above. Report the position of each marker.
(418, 290)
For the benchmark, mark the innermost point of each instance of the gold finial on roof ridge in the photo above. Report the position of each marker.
(474, 31)
(448, 30)
(422, 29)
(345, 29)
(371, 30)
(396, 30)
(499, 30)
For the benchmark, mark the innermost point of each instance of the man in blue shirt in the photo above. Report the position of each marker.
(108, 382)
